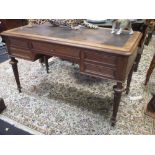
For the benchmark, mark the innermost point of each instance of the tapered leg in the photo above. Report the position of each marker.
(129, 79)
(46, 63)
(140, 51)
(137, 62)
(14, 62)
(118, 89)
(150, 70)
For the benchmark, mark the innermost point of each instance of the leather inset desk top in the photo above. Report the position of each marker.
(97, 38)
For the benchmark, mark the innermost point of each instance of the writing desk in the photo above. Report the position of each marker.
(98, 52)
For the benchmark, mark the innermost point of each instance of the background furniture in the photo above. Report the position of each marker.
(2, 105)
(150, 29)
(150, 70)
(98, 52)
(6, 24)
(150, 108)
(151, 104)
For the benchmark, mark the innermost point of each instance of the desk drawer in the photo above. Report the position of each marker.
(21, 43)
(98, 70)
(56, 50)
(22, 53)
(99, 57)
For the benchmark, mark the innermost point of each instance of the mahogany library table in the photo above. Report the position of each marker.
(98, 52)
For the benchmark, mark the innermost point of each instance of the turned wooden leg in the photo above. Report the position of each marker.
(150, 70)
(140, 50)
(137, 62)
(129, 79)
(46, 63)
(14, 62)
(118, 89)
(2, 105)
(151, 105)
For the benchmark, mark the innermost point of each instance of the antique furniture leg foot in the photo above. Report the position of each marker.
(46, 63)
(14, 62)
(118, 89)
(129, 79)
(2, 105)
(150, 70)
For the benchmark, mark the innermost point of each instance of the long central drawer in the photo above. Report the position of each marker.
(55, 49)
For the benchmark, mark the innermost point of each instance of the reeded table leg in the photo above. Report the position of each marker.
(129, 79)
(140, 51)
(14, 62)
(138, 58)
(118, 89)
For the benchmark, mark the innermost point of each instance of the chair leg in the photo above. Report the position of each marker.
(151, 105)
(150, 70)
(2, 105)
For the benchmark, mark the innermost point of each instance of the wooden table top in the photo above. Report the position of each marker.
(99, 39)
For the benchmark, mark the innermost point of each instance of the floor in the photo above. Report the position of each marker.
(5, 127)
(3, 57)
(9, 129)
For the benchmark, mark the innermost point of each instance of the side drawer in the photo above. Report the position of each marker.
(99, 57)
(55, 49)
(22, 53)
(98, 70)
(21, 43)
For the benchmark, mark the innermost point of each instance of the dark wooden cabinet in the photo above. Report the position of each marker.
(6, 24)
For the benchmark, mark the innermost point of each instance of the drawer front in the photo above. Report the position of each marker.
(56, 50)
(22, 53)
(20, 43)
(98, 64)
(98, 70)
(99, 57)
